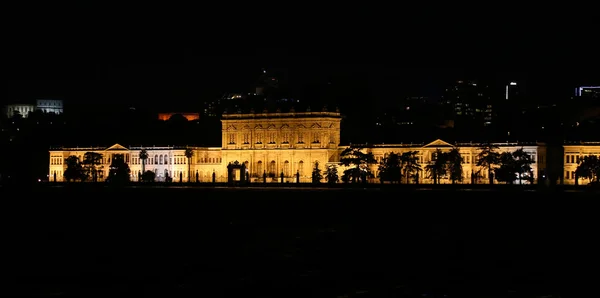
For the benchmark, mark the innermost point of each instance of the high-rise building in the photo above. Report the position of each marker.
(588, 91)
(470, 102)
(512, 91)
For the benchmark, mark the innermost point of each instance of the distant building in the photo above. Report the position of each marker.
(588, 92)
(291, 144)
(21, 109)
(512, 91)
(188, 116)
(50, 106)
(470, 101)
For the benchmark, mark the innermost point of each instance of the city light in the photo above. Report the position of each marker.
(578, 90)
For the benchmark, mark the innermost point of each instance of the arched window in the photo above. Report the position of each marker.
(286, 168)
(155, 160)
(259, 167)
(301, 168)
(273, 168)
(247, 165)
(161, 160)
(166, 159)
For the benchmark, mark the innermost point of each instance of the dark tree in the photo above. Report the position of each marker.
(119, 170)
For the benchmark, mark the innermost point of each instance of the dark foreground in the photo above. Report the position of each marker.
(166, 242)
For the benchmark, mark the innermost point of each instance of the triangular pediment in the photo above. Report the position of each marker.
(301, 126)
(285, 126)
(315, 125)
(116, 147)
(271, 126)
(439, 143)
(258, 127)
(246, 126)
(331, 125)
(231, 127)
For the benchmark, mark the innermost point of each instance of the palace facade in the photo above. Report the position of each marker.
(572, 154)
(291, 143)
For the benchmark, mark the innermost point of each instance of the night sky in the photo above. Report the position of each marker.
(179, 68)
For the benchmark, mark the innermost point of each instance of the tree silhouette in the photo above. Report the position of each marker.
(119, 170)
(410, 164)
(359, 162)
(507, 170)
(143, 157)
(331, 174)
(74, 169)
(390, 168)
(488, 158)
(438, 167)
(189, 153)
(523, 161)
(588, 168)
(455, 161)
(92, 162)
(513, 165)
(316, 174)
(148, 176)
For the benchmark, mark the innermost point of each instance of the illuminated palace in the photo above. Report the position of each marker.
(289, 143)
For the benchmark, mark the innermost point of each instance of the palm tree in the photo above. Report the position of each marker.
(488, 158)
(143, 157)
(410, 164)
(189, 153)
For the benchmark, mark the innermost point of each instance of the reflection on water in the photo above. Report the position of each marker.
(169, 243)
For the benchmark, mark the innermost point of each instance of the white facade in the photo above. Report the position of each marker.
(162, 161)
(469, 152)
(289, 143)
(23, 110)
(53, 106)
(171, 161)
(571, 157)
(50, 106)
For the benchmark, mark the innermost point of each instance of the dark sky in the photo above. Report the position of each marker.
(182, 66)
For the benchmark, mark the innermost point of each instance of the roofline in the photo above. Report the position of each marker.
(422, 145)
(281, 115)
(132, 148)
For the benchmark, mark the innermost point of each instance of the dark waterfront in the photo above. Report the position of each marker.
(172, 242)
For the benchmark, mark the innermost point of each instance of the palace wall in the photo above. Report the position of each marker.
(290, 143)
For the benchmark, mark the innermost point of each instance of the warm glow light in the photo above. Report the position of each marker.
(580, 89)
(188, 116)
